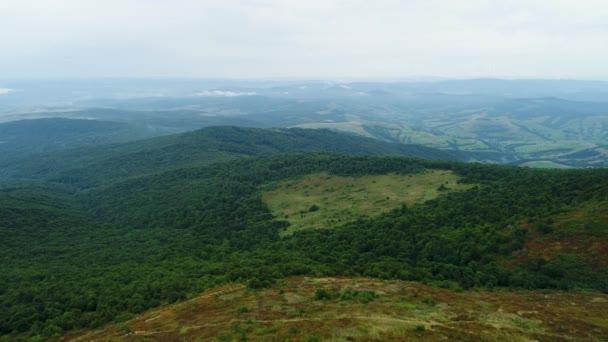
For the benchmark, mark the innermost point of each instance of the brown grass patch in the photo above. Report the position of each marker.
(400, 312)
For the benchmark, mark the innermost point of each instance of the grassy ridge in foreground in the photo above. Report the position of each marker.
(360, 309)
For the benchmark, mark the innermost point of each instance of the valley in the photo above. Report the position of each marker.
(518, 122)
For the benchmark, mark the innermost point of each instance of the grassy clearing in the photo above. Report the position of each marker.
(399, 311)
(326, 201)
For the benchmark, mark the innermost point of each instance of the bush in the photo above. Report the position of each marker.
(428, 300)
(545, 228)
(420, 328)
(255, 283)
(361, 296)
(323, 294)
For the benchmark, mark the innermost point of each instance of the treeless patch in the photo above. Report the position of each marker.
(402, 312)
(326, 201)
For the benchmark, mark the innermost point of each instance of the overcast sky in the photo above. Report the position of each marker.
(304, 39)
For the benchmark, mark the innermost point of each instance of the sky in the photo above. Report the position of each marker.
(322, 39)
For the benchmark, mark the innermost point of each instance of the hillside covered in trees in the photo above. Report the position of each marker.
(101, 234)
(107, 163)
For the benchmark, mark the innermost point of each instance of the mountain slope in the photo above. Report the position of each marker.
(25, 137)
(360, 309)
(87, 246)
(571, 133)
(98, 164)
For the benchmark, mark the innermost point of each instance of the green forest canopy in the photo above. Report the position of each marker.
(80, 254)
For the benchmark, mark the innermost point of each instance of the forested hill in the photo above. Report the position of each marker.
(89, 166)
(22, 138)
(81, 258)
(99, 234)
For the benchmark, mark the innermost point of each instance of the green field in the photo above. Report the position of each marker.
(324, 201)
(534, 133)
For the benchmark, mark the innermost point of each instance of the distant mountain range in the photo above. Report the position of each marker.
(543, 123)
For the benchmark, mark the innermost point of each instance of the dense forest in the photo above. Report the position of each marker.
(81, 249)
(108, 163)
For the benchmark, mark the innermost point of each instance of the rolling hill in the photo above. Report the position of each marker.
(109, 232)
(515, 131)
(107, 163)
(315, 309)
(539, 123)
(19, 139)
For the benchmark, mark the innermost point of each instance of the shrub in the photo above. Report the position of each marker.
(428, 300)
(420, 328)
(323, 294)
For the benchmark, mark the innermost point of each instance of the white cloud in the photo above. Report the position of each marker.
(225, 93)
(312, 38)
(4, 91)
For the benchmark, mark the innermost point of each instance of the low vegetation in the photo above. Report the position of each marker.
(577, 234)
(326, 201)
(305, 309)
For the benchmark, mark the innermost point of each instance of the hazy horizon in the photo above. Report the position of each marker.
(345, 79)
(314, 40)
